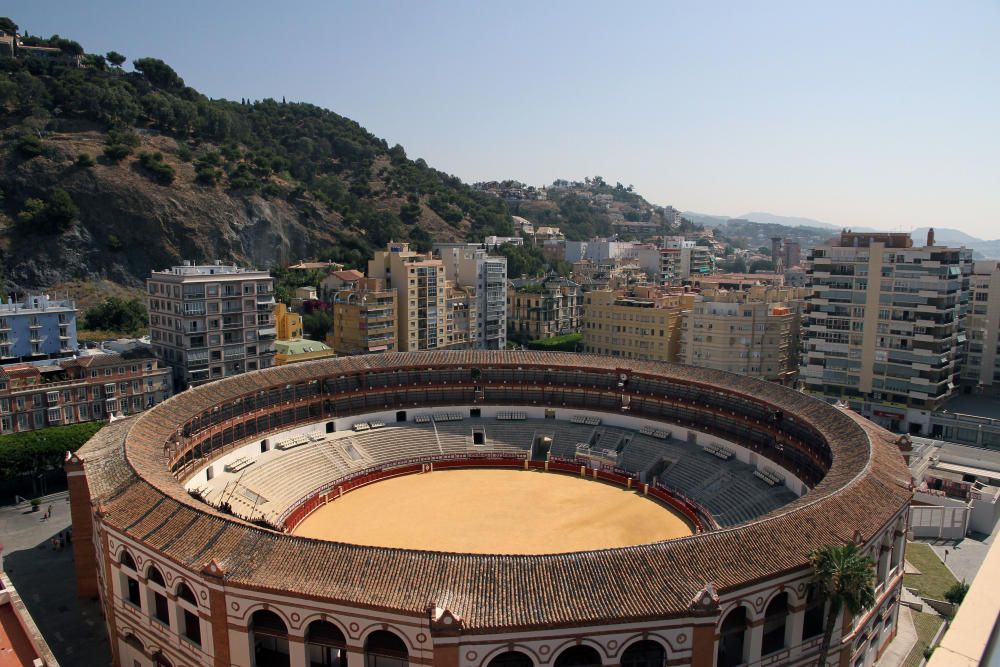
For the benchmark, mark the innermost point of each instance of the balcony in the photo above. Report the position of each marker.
(267, 332)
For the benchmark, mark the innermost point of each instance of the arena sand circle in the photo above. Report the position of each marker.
(494, 512)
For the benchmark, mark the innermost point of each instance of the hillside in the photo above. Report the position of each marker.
(107, 174)
(583, 210)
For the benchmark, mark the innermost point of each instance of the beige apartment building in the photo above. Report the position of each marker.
(753, 332)
(421, 295)
(982, 356)
(364, 318)
(642, 322)
(211, 321)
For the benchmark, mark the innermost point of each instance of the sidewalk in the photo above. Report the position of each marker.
(902, 644)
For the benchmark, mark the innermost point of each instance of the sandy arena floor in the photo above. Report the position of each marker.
(493, 511)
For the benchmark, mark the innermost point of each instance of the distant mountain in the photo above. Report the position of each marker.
(981, 249)
(705, 219)
(788, 221)
(946, 236)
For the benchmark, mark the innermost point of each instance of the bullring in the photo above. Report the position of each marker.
(189, 576)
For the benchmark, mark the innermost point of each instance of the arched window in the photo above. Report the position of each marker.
(511, 659)
(775, 617)
(578, 656)
(269, 638)
(732, 638)
(159, 590)
(127, 560)
(645, 653)
(160, 661)
(187, 608)
(130, 584)
(812, 622)
(384, 649)
(326, 645)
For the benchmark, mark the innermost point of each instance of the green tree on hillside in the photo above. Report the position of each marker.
(127, 316)
(115, 58)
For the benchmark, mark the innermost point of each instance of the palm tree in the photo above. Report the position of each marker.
(845, 578)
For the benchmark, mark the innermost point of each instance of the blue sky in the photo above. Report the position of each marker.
(879, 114)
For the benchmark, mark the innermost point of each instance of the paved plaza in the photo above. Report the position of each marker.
(73, 628)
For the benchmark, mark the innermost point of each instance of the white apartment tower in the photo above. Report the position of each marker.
(211, 321)
(981, 367)
(884, 327)
(471, 267)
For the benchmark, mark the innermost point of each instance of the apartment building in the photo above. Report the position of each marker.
(752, 332)
(421, 295)
(981, 366)
(471, 267)
(641, 322)
(87, 388)
(542, 308)
(364, 318)
(684, 260)
(37, 328)
(211, 321)
(462, 311)
(884, 327)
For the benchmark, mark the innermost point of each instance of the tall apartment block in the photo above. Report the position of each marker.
(364, 318)
(884, 326)
(753, 332)
(981, 367)
(421, 295)
(642, 322)
(211, 321)
(471, 267)
(37, 328)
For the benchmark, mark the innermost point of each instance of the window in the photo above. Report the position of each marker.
(131, 583)
(189, 621)
(158, 587)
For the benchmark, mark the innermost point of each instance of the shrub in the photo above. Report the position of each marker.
(153, 163)
(117, 152)
(114, 243)
(55, 215)
(184, 153)
(957, 592)
(85, 160)
(29, 146)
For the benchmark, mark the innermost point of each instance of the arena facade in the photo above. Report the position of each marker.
(184, 517)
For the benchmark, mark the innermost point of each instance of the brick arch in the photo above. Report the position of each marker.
(329, 618)
(374, 627)
(557, 649)
(752, 614)
(520, 648)
(642, 636)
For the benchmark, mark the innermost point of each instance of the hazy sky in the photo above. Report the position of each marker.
(883, 114)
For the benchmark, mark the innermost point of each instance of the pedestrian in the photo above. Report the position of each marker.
(49, 512)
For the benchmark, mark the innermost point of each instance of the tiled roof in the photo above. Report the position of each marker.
(866, 486)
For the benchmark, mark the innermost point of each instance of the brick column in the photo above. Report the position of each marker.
(703, 639)
(218, 617)
(81, 513)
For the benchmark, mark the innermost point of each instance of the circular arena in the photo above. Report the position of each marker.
(484, 509)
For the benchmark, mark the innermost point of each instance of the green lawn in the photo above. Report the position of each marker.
(935, 579)
(926, 626)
